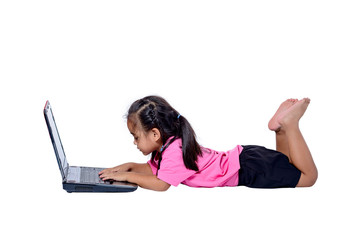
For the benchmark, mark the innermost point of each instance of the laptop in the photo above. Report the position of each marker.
(79, 179)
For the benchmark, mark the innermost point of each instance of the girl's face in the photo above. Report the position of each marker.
(146, 142)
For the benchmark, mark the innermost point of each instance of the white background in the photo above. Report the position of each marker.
(224, 65)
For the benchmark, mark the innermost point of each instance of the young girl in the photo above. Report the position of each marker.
(176, 156)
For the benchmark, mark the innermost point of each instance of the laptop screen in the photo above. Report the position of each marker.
(56, 141)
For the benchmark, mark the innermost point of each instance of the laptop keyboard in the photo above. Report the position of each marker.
(90, 175)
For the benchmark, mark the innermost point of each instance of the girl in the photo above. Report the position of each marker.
(176, 156)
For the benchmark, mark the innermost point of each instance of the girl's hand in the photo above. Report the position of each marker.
(120, 168)
(113, 175)
(108, 170)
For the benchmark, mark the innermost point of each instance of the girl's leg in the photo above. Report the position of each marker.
(282, 144)
(299, 152)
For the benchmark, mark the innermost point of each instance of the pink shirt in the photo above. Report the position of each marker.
(216, 169)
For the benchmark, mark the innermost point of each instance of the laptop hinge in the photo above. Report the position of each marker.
(66, 172)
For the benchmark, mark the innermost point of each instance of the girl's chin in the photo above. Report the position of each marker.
(145, 153)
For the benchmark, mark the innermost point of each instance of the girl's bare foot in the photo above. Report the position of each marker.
(293, 114)
(274, 124)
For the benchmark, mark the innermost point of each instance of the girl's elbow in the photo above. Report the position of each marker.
(163, 187)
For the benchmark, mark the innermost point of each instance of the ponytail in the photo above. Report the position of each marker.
(190, 147)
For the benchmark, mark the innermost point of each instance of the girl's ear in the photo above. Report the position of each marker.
(155, 134)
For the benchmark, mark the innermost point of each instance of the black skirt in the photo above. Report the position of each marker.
(264, 168)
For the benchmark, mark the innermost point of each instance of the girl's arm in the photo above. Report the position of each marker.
(140, 174)
(148, 181)
(129, 167)
(138, 167)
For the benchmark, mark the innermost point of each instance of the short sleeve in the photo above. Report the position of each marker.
(172, 168)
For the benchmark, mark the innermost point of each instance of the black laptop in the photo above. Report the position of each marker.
(79, 179)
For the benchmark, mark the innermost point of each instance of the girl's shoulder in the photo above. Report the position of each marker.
(175, 145)
(173, 142)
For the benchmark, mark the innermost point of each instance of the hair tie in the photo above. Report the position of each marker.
(178, 116)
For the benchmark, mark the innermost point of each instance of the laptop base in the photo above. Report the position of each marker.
(71, 187)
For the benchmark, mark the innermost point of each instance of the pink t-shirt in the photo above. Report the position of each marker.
(216, 169)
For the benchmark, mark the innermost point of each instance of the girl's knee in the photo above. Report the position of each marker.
(314, 177)
(312, 180)
(307, 180)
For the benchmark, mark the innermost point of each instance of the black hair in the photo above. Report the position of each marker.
(155, 112)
